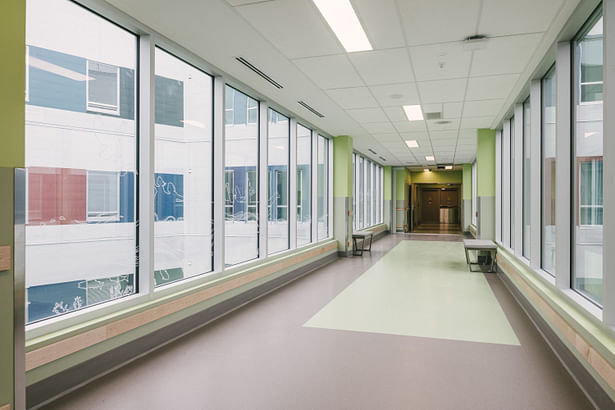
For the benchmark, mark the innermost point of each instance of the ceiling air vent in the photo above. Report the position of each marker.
(259, 72)
(433, 115)
(383, 159)
(372, 151)
(312, 110)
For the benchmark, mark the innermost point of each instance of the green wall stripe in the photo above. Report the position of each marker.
(342, 166)
(387, 191)
(485, 162)
(436, 177)
(467, 181)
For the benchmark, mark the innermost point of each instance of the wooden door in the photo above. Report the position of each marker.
(430, 206)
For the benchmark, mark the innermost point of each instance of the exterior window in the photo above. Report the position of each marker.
(183, 179)
(103, 87)
(229, 184)
(587, 193)
(361, 193)
(548, 172)
(354, 192)
(323, 188)
(368, 193)
(474, 193)
(512, 183)
(278, 157)
(527, 204)
(304, 185)
(81, 228)
(241, 139)
(103, 197)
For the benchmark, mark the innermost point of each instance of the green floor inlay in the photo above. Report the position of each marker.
(424, 289)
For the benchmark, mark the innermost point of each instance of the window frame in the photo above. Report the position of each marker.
(92, 106)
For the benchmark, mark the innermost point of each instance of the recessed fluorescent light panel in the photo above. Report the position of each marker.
(430, 158)
(426, 170)
(448, 167)
(413, 112)
(344, 22)
(412, 144)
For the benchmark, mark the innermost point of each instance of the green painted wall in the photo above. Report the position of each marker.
(12, 137)
(342, 166)
(467, 181)
(485, 163)
(436, 177)
(387, 181)
(400, 184)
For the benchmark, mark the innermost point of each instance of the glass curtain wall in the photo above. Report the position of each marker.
(277, 197)
(183, 175)
(548, 171)
(81, 217)
(241, 139)
(304, 185)
(588, 181)
(527, 204)
(512, 183)
(323, 188)
(367, 191)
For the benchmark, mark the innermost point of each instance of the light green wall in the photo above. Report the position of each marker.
(436, 177)
(485, 163)
(467, 181)
(342, 166)
(400, 184)
(387, 195)
(12, 137)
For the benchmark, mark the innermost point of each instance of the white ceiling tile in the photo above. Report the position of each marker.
(367, 115)
(330, 71)
(379, 127)
(491, 87)
(439, 135)
(347, 98)
(295, 27)
(395, 114)
(482, 108)
(408, 126)
(383, 66)
(505, 55)
(442, 91)
(440, 61)
(386, 138)
(476, 122)
(452, 110)
(396, 95)
(505, 17)
(441, 125)
(438, 21)
(380, 22)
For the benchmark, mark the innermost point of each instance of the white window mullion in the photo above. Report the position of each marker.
(518, 188)
(535, 174)
(263, 181)
(292, 180)
(219, 175)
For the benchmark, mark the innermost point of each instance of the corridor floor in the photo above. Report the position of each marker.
(405, 327)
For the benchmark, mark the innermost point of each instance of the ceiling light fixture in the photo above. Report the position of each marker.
(344, 22)
(448, 167)
(412, 144)
(413, 112)
(430, 158)
(426, 170)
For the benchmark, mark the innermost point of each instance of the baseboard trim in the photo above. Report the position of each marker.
(69, 380)
(590, 386)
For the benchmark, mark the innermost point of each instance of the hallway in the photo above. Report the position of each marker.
(286, 350)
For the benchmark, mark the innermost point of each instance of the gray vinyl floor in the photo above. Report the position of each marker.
(263, 357)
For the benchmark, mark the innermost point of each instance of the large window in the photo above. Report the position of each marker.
(81, 159)
(367, 198)
(548, 172)
(304, 185)
(323, 187)
(474, 195)
(588, 136)
(278, 158)
(512, 183)
(183, 179)
(241, 158)
(527, 204)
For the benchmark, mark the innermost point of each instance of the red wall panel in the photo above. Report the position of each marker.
(56, 196)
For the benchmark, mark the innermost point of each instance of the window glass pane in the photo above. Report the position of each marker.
(512, 183)
(587, 267)
(183, 170)
(323, 188)
(548, 172)
(354, 192)
(361, 193)
(368, 193)
(277, 206)
(81, 159)
(474, 195)
(241, 158)
(304, 185)
(527, 204)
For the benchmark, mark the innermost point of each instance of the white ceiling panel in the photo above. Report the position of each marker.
(295, 27)
(395, 114)
(440, 61)
(482, 108)
(396, 95)
(387, 138)
(442, 91)
(240, 2)
(443, 125)
(330, 71)
(367, 115)
(407, 126)
(505, 55)
(379, 127)
(438, 21)
(491, 87)
(452, 110)
(383, 66)
(380, 22)
(358, 97)
(505, 17)
(476, 122)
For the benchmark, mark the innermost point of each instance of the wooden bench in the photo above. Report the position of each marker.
(361, 238)
(480, 245)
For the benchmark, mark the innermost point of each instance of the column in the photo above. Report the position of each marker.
(485, 184)
(342, 194)
(466, 205)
